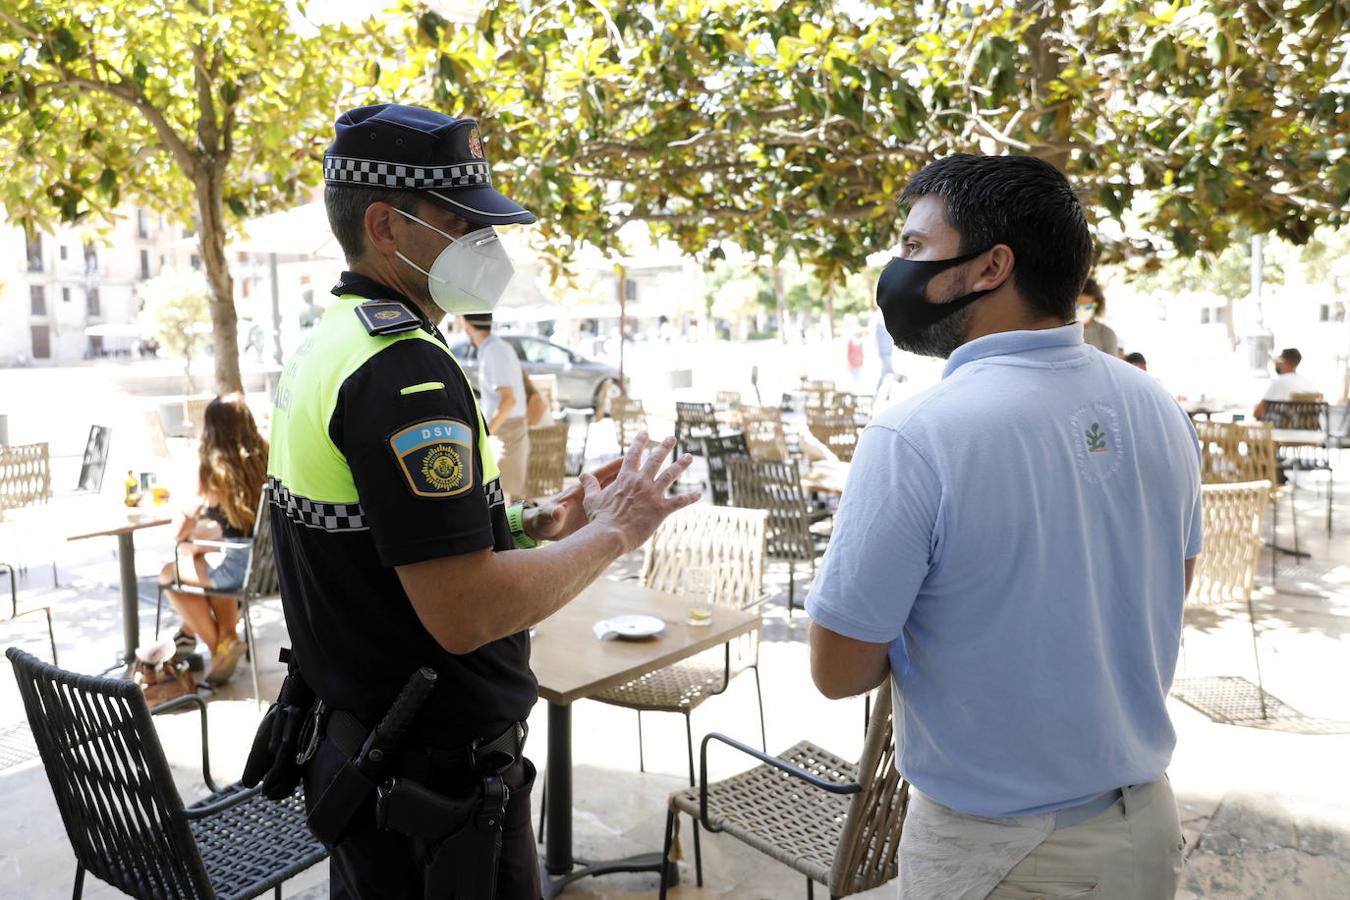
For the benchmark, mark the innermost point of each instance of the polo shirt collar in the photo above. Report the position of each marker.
(365, 286)
(1010, 343)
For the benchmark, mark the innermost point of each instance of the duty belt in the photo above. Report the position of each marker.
(480, 755)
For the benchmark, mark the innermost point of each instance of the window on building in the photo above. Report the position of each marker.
(629, 290)
(142, 224)
(42, 342)
(91, 304)
(95, 345)
(244, 287)
(196, 263)
(145, 264)
(65, 252)
(1204, 315)
(38, 298)
(90, 258)
(65, 295)
(34, 247)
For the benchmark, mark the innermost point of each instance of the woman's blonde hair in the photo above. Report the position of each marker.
(233, 460)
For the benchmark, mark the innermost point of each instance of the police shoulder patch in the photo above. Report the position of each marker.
(386, 317)
(435, 456)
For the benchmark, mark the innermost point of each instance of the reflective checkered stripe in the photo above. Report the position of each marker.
(349, 170)
(333, 517)
(495, 495)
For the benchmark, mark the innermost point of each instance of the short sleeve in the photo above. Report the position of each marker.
(882, 546)
(407, 425)
(496, 366)
(1278, 389)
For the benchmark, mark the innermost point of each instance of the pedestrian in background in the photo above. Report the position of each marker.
(501, 387)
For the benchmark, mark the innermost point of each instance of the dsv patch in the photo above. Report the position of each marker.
(435, 457)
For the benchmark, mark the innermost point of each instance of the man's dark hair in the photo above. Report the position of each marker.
(481, 321)
(1136, 359)
(1291, 356)
(346, 208)
(1022, 202)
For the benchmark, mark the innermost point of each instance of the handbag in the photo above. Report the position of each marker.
(161, 675)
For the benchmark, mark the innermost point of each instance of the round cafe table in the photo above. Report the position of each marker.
(124, 528)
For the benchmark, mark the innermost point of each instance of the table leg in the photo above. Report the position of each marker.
(558, 821)
(559, 867)
(131, 624)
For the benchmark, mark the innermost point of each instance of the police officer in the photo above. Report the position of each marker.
(390, 527)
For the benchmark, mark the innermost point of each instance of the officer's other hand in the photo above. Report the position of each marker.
(636, 502)
(561, 515)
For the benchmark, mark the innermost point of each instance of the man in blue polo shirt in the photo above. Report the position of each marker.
(1014, 548)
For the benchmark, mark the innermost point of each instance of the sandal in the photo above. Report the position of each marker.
(224, 660)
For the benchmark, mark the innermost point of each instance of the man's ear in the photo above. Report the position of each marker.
(996, 269)
(379, 229)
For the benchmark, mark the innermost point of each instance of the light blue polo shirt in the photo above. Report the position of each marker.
(1017, 534)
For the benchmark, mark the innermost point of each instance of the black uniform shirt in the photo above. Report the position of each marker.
(353, 628)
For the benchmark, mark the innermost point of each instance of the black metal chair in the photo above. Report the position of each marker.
(125, 819)
(260, 580)
(14, 605)
(777, 487)
(1304, 415)
(717, 450)
(693, 423)
(95, 460)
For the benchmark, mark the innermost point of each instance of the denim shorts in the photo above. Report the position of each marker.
(228, 574)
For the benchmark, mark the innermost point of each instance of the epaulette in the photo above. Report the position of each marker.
(386, 317)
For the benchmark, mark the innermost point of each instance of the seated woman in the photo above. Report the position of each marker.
(230, 476)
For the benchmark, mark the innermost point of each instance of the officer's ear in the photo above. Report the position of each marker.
(380, 224)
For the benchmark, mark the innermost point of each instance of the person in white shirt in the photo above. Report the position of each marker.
(501, 386)
(1091, 308)
(1287, 381)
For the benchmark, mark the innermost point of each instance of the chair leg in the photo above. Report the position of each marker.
(698, 856)
(276, 893)
(689, 736)
(159, 607)
(759, 695)
(79, 882)
(1256, 656)
(792, 587)
(543, 808)
(867, 712)
(1293, 506)
(642, 763)
(1331, 484)
(810, 889)
(248, 645)
(698, 852)
(1274, 541)
(665, 850)
(51, 635)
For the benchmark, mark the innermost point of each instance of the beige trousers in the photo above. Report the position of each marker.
(515, 456)
(1133, 851)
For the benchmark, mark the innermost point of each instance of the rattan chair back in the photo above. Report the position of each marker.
(1226, 569)
(113, 787)
(629, 420)
(716, 450)
(775, 487)
(1237, 452)
(693, 423)
(726, 542)
(547, 387)
(867, 854)
(25, 476)
(836, 429)
(1300, 415)
(764, 434)
(729, 399)
(547, 466)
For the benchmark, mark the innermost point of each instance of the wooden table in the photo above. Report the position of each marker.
(123, 529)
(1298, 437)
(827, 478)
(571, 665)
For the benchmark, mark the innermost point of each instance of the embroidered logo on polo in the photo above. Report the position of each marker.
(435, 457)
(393, 175)
(1097, 446)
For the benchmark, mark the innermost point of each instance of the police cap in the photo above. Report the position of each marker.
(408, 148)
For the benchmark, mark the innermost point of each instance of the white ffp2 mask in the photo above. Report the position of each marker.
(470, 274)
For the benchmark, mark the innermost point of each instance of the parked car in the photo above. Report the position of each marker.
(580, 380)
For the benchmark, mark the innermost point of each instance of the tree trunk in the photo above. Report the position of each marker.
(1052, 146)
(224, 322)
(780, 298)
(829, 309)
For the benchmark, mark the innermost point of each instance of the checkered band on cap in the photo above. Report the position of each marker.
(316, 514)
(349, 170)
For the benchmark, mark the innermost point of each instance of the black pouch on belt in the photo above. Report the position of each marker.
(272, 761)
(464, 834)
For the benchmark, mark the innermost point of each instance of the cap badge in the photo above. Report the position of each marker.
(476, 144)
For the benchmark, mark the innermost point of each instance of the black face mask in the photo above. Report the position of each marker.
(910, 319)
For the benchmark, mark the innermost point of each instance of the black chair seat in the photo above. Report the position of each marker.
(254, 846)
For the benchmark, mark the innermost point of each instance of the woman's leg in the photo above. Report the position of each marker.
(226, 612)
(196, 612)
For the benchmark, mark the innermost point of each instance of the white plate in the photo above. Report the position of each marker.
(636, 626)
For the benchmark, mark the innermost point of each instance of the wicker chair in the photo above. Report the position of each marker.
(125, 819)
(836, 429)
(1226, 570)
(717, 450)
(728, 399)
(629, 420)
(777, 488)
(1241, 452)
(260, 580)
(547, 466)
(547, 386)
(1304, 415)
(25, 476)
(728, 544)
(693, 423)
(836, 822)
(764, 433)
(14, 606)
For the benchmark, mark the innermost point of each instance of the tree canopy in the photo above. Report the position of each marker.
(791, 127)
(209, 112)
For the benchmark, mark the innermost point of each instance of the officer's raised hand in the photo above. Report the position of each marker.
(564, 513)
(635, 503)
